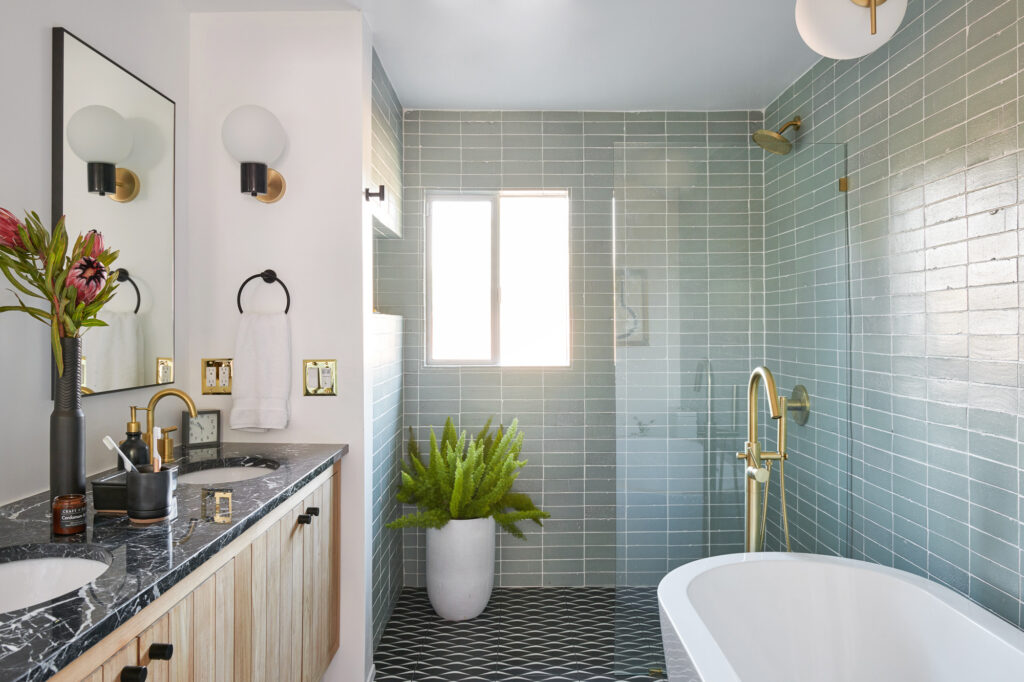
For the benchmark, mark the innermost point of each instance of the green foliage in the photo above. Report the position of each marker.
(39, 269)
(463, 480)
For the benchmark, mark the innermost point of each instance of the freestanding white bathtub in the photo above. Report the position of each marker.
(776, 617)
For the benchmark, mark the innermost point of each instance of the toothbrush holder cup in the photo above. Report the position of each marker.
(150, 496)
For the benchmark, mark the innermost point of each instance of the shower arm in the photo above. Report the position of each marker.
(795, 123)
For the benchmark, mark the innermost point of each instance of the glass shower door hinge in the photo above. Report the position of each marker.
(844, 184)
(659, 673)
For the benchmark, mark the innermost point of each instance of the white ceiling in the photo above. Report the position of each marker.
(630, 55)
(613, 55)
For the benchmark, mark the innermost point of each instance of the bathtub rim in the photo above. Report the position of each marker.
(712, 664)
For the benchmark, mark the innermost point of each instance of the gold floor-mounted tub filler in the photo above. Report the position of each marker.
(759, 463)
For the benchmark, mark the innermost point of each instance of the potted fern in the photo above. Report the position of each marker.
(461, 493)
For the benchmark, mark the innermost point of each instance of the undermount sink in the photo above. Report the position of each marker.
(225, 470)
(33, 574)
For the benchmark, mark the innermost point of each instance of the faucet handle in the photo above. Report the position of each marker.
(166, 445)
(759, 474)
(753, 450)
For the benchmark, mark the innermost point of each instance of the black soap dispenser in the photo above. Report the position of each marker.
(133, 446)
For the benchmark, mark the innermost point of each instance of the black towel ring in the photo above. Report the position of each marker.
(268, 276)
(123, 276)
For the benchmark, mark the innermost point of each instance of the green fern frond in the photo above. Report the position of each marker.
(466, 480)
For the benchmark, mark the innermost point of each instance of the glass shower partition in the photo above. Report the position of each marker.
(808, 341)
(723, 260)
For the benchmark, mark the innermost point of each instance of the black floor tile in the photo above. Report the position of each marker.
(588, 634)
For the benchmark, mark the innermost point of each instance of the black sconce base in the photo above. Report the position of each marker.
(102, 177)
(254, 178)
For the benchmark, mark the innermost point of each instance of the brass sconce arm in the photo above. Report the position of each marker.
(873, 6)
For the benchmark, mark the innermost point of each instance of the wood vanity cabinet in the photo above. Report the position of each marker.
(265, 608)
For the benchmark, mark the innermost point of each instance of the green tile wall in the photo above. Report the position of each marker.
(932, 125)
(567, 414)
(386, 545)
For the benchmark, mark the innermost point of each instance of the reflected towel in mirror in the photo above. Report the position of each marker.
(114, 354)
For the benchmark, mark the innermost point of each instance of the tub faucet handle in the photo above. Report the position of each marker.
(759, 474)
(753, 450)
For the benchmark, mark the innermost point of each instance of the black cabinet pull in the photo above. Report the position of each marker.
(134, 673)
(305, 518)
(313, 511)
(161, 652)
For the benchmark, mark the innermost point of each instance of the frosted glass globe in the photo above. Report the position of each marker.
(252, 134)
(98, 134)
(841, 29)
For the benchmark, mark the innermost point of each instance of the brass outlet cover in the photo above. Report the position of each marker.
(276, 187)
(164, 371)
(320, 377)
(216, 505)
(221, 386)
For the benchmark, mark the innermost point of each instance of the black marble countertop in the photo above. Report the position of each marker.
(145, 561)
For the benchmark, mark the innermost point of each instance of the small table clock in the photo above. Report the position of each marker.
(201, 431)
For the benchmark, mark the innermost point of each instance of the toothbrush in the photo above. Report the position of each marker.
(112, 446)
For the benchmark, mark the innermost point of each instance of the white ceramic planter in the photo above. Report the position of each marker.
(460, 567)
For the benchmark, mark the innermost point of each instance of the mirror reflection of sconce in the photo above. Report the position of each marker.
(99, 136)
(255, 139)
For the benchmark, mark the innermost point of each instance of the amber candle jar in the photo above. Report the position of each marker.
(68, 514)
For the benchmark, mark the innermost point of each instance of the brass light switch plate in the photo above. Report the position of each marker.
(319, 377)
(216, 376)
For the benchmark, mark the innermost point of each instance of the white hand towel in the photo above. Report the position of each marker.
(262, 378)
(114, 354)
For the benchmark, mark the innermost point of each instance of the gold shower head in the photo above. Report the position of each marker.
(774, 142)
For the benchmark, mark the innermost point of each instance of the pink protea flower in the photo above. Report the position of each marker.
(97, 244)
(87, 276)
(9, 236)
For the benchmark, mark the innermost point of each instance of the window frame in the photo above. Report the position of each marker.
(494, 198)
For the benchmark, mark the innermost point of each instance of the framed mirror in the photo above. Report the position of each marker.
(113, 171)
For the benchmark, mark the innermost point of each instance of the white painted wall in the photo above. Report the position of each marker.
(312, 70)
(150, 40)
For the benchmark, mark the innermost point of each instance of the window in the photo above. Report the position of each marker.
(498, 279)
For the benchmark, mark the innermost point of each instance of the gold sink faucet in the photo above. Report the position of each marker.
(151, 411)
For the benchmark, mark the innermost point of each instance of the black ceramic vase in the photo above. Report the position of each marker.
(67, 425)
